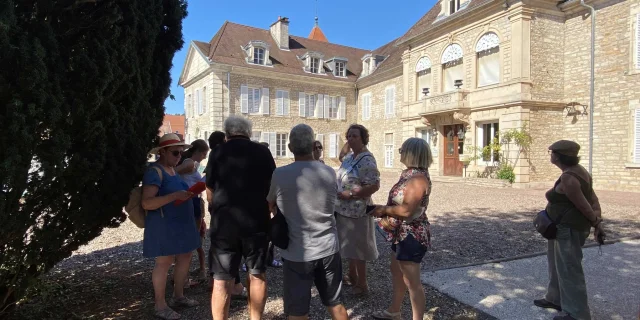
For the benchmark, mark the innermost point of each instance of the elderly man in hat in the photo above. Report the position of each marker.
(574, 207)
(239, 180)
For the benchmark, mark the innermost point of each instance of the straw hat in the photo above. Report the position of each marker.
(169, 140)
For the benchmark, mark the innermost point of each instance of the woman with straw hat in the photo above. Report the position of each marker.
(170, 230)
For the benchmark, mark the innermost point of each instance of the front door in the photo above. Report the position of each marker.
(453, 148)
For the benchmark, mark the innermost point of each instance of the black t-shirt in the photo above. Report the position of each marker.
(239, 172)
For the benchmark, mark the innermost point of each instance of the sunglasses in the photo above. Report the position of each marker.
(176, 153)
(317, 148)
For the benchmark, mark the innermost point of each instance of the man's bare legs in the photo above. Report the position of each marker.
(257, 290)
(220, 299)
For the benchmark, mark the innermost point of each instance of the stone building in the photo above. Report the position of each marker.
(467, 73)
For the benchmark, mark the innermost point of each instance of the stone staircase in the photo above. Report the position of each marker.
(482, 182)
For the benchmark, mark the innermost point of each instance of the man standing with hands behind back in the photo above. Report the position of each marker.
(239, 180)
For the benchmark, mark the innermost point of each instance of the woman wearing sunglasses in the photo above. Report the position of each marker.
(317, 151)
(170, 230)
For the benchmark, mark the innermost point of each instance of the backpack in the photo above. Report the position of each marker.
(134, 206)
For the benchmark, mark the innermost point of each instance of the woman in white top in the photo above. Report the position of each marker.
(188, 170)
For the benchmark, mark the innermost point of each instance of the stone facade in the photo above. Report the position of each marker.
(540, 76)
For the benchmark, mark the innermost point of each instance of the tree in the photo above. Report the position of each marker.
(82, 88)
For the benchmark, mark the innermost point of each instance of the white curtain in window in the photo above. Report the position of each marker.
(452, 71)
(489, 67)
(424, 81)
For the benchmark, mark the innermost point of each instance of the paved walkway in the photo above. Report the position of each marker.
(506, 290)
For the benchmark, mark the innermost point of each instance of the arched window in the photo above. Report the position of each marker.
(424, 79)
(452, 67)
(488, 52)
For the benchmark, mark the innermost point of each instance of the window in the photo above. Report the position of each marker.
(425, 135)
(282, 103)
(258, 55)
(388, 150)
(454, 6)
(203, 100)
(637, 46)
(314, 65)
(310, 102)
(281, 145)
(366, 106)
(487, 134)
(333, 145)
(636, 144)
(390, 98)
(254, 100)
(340, 69)
(366, 66)
(271, 139)
(333, 107)
(255, 136)
(488, 51)
(452, 67)
(424, 78)
(188, 110)
(198, 107)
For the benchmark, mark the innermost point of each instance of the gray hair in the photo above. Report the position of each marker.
(237, 126)
(415, 153)
(301, 140)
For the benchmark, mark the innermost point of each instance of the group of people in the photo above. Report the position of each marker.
(330, 217)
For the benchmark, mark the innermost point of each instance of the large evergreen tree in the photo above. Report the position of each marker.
(82, 87)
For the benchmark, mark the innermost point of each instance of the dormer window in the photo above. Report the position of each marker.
(370, 62)
(257, 52)
(313, 62)
(338, 66)
(454, 6)
(258, 55)
(314, 65)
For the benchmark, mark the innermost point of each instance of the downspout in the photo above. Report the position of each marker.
(357, 104)
(228, 99)
(591, 93)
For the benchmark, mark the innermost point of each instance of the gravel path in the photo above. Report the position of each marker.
(109, 279)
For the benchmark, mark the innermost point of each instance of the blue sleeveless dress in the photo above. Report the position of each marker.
(174, 231)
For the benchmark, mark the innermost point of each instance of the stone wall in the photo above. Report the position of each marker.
(200, 126)
(547, 59)
(617, 90)
(283, 124)
(545, 126)
(379, 124)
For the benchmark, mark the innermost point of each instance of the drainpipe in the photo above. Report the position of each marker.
(228, 98)
(591, 93)
(357, 105)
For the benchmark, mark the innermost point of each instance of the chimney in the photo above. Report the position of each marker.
(280, 32)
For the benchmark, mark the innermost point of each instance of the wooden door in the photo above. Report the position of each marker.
(453, 148)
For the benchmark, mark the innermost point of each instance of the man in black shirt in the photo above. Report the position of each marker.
(239, 178)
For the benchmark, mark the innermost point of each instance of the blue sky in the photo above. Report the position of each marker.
(365, 24)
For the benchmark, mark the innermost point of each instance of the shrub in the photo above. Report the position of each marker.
(82, 87)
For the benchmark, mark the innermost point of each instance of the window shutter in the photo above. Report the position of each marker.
(279, 103)
(301, 105)
(333, 144)
(197, 107)
(265, 100)
(272, 143)
(636, 151)
(320, 137)
(320, 102)
(264, 137)
(285, 103)
(480, 142)
(244, 99)
(638, 41)
(342, 112)
(286, 146)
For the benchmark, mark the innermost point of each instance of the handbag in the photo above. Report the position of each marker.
(279, 231)
(545, 225)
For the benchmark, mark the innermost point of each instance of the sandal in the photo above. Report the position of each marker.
(386, 315)
(190, 283)
(276, 264)
(347, 281)
(359, 292)
(183, 302)
(243, 295)
(167, 314)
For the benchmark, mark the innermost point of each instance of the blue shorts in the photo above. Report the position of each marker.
(409, 249)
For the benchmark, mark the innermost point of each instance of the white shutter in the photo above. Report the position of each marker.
(638, 41)
(636, 149)
(264, 137)
(265, 101)
(272, 143)
(279, 103)
(286, 146)
(320, 137)
(480, 142)
(319, 112)
(204, 99)
(342, 111)
(333, 144)
(301, 106)
(244, 99)
(285, 103)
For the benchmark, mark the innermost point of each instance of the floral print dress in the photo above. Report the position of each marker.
(356, 173)
(418, 227)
